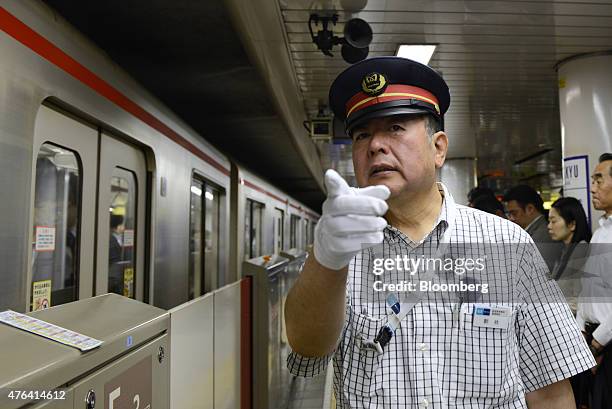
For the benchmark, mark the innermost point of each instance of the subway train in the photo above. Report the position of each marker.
(106, 190)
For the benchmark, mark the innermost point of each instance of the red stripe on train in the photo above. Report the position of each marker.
(50, 52)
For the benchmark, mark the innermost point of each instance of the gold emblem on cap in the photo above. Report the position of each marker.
(374, 83)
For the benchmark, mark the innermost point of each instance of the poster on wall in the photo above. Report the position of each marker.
(576, 181)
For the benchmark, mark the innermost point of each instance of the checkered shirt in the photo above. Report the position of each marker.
(438, 357)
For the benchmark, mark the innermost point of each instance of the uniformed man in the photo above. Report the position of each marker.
(396, 347)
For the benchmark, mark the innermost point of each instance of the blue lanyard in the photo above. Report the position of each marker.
(400, 310)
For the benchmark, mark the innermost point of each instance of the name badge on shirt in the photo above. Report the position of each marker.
(488, 316)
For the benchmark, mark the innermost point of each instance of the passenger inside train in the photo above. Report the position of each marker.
(305, 204)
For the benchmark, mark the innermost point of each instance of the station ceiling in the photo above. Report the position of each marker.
(207, 61)
(498, 58)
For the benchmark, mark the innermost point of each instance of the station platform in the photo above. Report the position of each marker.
(225, 349)
(313, 393)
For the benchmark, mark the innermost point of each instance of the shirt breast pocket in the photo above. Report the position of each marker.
(483, 360)
(361, 363)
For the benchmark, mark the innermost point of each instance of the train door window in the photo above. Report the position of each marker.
(122, 224)
(211, 232)
(121, 219)
(247, 230)
(293, 231)
(305, 234)
(57, 199)
(203, 237)
(61, 267)
(253, 229)
(195, 240)
(312, 231)
(279, 230)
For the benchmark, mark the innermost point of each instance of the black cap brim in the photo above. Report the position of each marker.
(386, 109)
(379, 113)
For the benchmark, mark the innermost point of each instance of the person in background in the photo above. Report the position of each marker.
(567, 223)
(526, 208)
(489, 204)
(594, 314)
(115, 254)
(479, 192)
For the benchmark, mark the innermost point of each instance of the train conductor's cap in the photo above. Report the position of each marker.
(384, 86)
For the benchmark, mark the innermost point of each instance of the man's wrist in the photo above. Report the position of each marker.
(596, 348)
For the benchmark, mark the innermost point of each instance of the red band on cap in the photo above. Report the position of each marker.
(394, 92)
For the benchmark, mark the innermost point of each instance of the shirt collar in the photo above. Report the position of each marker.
(446, 216)
(534, 221)
(449, 207)
(605, 221)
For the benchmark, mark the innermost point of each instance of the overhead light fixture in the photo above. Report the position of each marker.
(416, 52)
(196, 190)
(356, 41)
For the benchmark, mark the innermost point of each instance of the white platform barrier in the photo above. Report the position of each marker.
(205, 351)
(329, 400)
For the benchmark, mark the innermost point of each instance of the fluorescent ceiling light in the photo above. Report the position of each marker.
(419, 53)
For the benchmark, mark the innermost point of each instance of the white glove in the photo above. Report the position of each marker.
(351, 221)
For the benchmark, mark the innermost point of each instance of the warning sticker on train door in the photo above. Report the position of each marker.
(41, 295)
(128, 238)
(44, 238)
(128, 282)
(132, 388)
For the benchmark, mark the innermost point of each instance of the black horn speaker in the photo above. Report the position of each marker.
(357, 33)
(352, 54)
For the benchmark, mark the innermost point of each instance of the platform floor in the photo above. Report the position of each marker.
(307, 393)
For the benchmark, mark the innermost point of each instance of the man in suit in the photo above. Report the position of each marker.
(526, 208)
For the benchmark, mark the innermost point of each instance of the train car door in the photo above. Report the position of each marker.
(65, 163)
(121, 219)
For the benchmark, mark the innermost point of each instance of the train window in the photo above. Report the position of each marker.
(305, 231)
(204, 247)
(279, 230)
(195, 284)
(253, 229)
(121, 247)
(211, 232)
(293, 231)
(312, 230)
(57, 200)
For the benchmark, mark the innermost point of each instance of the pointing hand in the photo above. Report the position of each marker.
(351, 221)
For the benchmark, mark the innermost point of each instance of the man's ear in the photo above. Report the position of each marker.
(439, 141)
(530, 209)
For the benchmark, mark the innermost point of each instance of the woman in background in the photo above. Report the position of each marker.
(567, 223)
